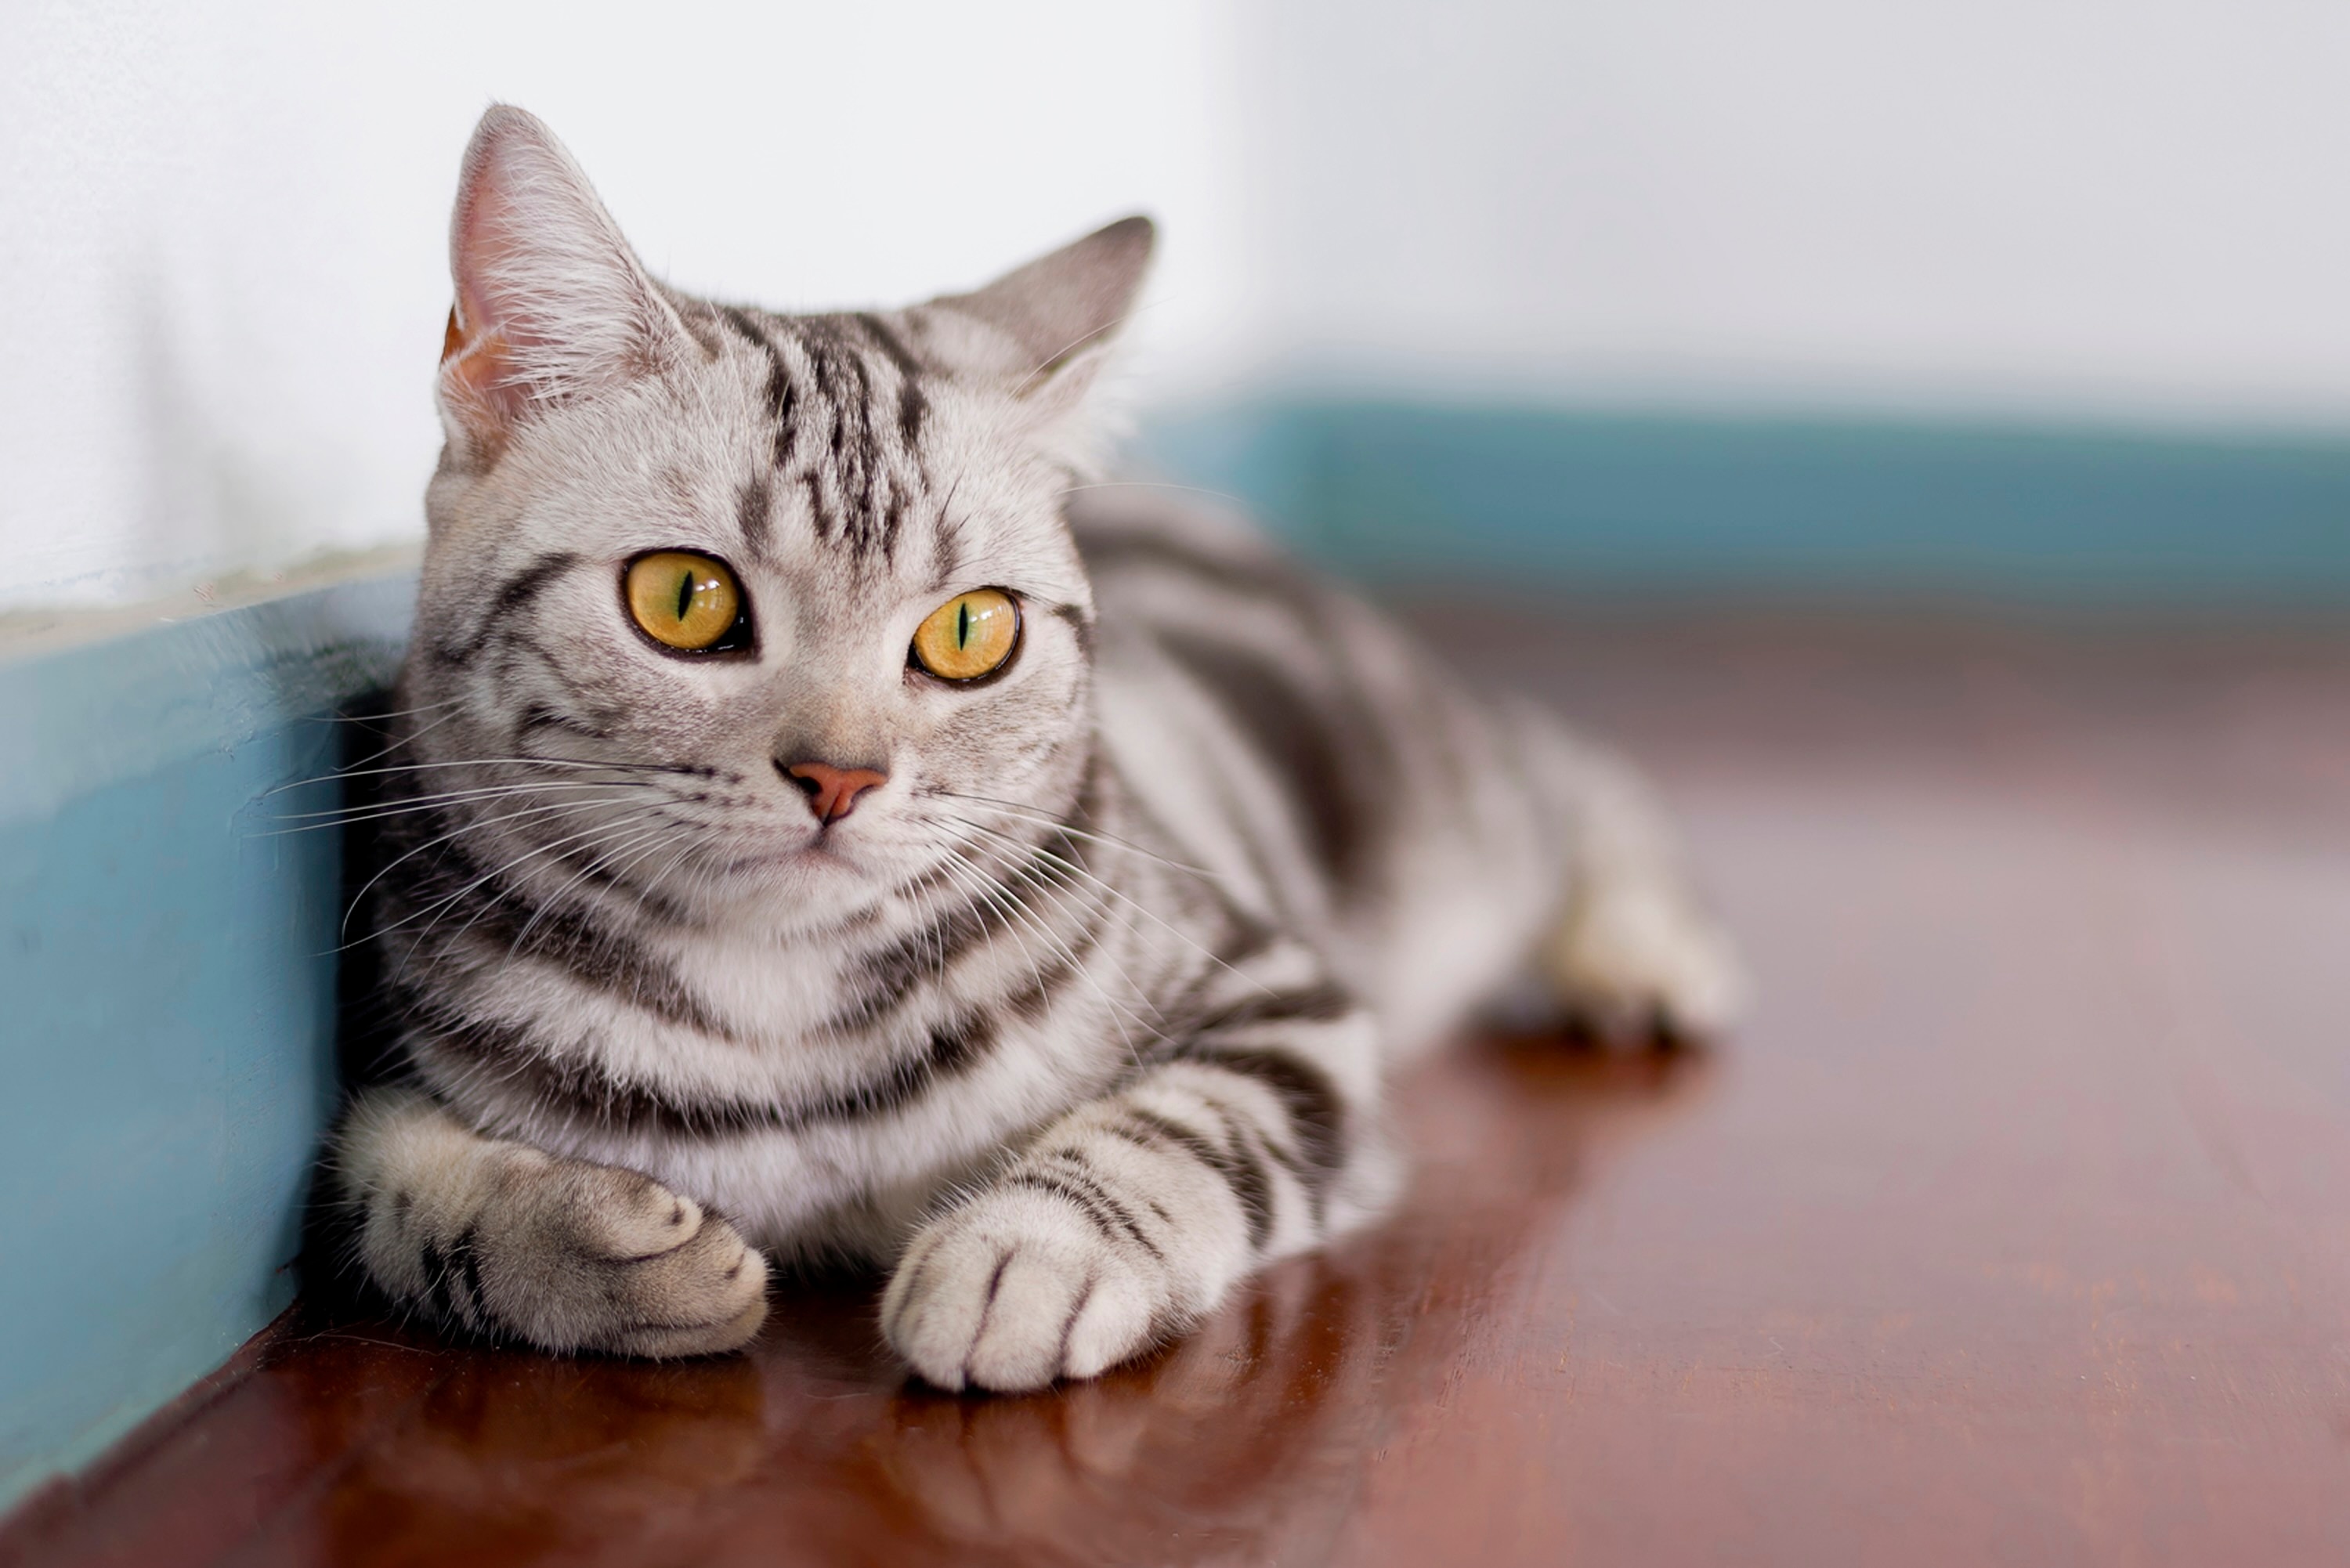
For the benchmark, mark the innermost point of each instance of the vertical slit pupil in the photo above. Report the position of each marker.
(684, 594)
(962, 624)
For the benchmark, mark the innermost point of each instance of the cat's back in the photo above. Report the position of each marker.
(1297, 739)
(1241, 696)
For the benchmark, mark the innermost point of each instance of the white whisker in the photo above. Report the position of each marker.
(485, 763)
(532, 812)
(346, 816)
(1072, 869)
(1062, 950)
(1046, 819)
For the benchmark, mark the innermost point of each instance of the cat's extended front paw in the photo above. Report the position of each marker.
(1013, 1290)
(588, 1257)
(1638, 954)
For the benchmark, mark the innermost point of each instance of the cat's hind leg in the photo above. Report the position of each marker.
(1634, 951)
(498, 1238)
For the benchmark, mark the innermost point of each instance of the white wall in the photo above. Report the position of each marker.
(222, 226)
(2082, 207)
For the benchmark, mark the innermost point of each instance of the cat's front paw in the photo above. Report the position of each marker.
(1014, 1289)
(1638, 954)
(601, 1258)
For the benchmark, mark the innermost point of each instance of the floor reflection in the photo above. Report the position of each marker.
(1250, 1435)
(1247, 1440)
(515, 1458)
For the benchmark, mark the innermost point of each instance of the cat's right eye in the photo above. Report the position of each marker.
(687, 602)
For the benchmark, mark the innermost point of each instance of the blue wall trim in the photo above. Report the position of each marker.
(169, 981)
(1544, 498)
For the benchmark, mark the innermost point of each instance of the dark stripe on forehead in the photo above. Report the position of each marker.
(843, 380)
(753, 503)
(913, 404)
(913, 407)
(891, 348)
(819, 515)
(781, 395)
(946, 544)
(867, 524)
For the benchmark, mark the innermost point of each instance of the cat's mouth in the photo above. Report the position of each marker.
(824, 849)
(821, 849)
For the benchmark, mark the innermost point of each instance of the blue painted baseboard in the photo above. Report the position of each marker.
(167, 966)
(1602, 502)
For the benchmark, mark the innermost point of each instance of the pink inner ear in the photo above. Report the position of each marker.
(478, 372)
(551, 304)
(483, 249)
(479, 387)
(477, 383)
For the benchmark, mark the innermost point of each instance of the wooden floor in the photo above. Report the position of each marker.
(2015, 1228)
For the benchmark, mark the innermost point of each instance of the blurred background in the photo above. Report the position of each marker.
(1953, 298)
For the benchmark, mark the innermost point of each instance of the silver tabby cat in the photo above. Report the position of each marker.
(824, 825)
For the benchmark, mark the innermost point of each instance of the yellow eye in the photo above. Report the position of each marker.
(968, 636)
(683, 600)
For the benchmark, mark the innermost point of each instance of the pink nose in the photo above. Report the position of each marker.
(832, 791)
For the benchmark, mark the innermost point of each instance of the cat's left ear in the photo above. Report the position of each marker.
(552, 304)
(1054, 320)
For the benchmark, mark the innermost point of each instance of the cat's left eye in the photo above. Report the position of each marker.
(969, 636)
(688, 602)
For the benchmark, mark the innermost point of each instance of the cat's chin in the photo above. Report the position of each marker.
(816, 873)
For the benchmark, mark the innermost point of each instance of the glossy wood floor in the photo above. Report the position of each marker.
(2015, 1228)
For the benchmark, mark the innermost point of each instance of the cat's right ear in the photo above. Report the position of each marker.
(552, 304)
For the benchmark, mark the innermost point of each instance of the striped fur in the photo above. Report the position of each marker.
(1075, 1020)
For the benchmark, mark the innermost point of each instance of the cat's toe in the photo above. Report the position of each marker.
(703, 1297)
(1007, 1295)
(613, 1213)
(1638, 956)
(627, 1266)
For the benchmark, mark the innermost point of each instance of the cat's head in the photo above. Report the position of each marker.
(730, 605)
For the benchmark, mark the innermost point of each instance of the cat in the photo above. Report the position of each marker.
(827, 823)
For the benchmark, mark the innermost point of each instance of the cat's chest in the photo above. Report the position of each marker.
(767, 992)
(795, 1090)
(785, 1023)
